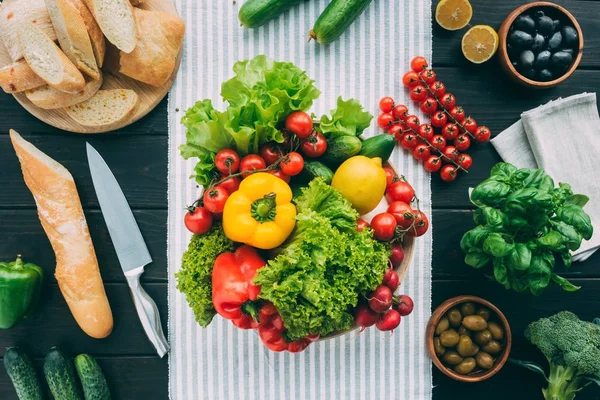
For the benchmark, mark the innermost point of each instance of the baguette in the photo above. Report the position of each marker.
(16, 13)
(96, 35)
(116, 20)
(105, 109)
(154, 58)
(73, 35)
(18, 77)
(62, 218)
(48, 61)
(48, 98)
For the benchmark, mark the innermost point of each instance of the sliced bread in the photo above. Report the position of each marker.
(116, 20)
(106, 108)
(18, 77)
(154, 58)
(96, 35)
(48, 98)
(73, 35)
(16, 13)
(48, 61)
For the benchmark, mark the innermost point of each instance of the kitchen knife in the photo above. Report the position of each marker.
(129, 245)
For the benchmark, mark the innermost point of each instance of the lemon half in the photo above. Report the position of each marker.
(453, 14)
(480, 43)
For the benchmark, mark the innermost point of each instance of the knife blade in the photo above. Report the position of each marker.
(129, 245)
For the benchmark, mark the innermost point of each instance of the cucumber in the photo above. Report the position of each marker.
(91, 377)
(21, 372)
(336, 18)
(313, 169)
(60, 376)
(341, 148)
(380, 146)
(255, 13)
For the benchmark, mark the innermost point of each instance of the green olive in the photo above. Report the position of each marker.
(484, 313)
(483, 337)
(497, 331)
(452, 358)
(437, 345)
(442, 326)
(465, 347)
(464, 331)
(466, 366)
(474, 323)
(484, 360)
(492, 347)
(467, 308)
(455, 317)
(449, 338)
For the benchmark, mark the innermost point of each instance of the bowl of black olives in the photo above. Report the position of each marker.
(541, 44)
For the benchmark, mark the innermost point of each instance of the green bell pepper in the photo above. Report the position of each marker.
(20, 290)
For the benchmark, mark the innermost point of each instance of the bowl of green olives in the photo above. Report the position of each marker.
(541, 44)
(468, 338)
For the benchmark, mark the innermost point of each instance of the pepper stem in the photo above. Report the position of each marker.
(264, 210)
(18, 262)
(252, 309)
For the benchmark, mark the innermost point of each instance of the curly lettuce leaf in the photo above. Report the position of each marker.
(349, 118)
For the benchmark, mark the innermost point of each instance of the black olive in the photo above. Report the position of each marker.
(529, 73)
(557, 25)
(539, 14)
(539, 43)
(545, 25)
(525, 23)
(545, 75)
(570, 51)
(561, 61)
(555, 41)
(543, 59)
(526, 59)
(520, 39)
(570, 36)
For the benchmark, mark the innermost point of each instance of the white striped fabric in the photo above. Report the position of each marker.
(367, 62)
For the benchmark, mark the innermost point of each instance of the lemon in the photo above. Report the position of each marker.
(453, 14)
(362, 181)
(480, 43)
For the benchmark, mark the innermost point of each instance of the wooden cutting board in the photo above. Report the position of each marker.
(149, 95)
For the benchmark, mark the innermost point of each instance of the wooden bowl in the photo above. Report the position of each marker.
(505, 61)
(435, 319)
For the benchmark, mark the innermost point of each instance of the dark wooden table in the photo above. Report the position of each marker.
(138, 157)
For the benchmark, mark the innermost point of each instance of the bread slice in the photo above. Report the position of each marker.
(136, 2)
(16, 13)
(18, 77)
(154, 58)
(106, 108)
(62, 218)
(73, 35)
(116, 20)
(96, 35)
(48, 98)
(48, 61)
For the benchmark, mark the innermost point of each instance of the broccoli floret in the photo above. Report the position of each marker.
(572, 348)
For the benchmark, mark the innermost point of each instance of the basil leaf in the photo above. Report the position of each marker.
(520, 257)
(564, 284)
(477, 258)
(566, 187)
(547, 184)
(494, 218)
(542, 200)
(548, 257)
(490, 192)
(522, 196)
(576, 217)
(552, 240)
(521, 175)
(478, 217)
(570, 235)
(539, 275)
(567, 258)
(520, 284)
(518, 223)
(495, 245)
(474, 238)
(503, 169)
(578, 200)
(500, 272)
(534, 179)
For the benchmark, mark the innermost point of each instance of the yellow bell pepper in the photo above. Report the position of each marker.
(260, 212)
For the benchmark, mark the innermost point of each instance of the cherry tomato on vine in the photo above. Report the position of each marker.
(280, 175)
(450, 131)
(465, 161)
(396, 130)
(231, 185)
(462, 142)
(438, 88)
(385, 120)
(432, 164)
(227, 161)
(403, 213)
(412, 121)
(421, 224)
(386, 104)
(314, 145)
(410, 79)
(251, 162)
(270, 152)
(384, 226)
(198, 220)
(421, 152)
(418, 93)
(429, 105)
(438, 142)
(451, 153)
(361, 224)
(482, 134)
(418, 64)
(408, 141)
(439, 119)
(470, 124)
(215, 199)
(299, 123)
(458, 113)
(389, 176)
(292, 164)
(426, 132)
(428, 75)
(448, 101)
(400, 191)
(448, 173)
(400, 112)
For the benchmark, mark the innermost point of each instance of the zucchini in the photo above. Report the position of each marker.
(341, 148)
(60, 376)
(91, 377)
(21, 372)
(380, 146)
(336, 18)
(255, 13)
(313, 169)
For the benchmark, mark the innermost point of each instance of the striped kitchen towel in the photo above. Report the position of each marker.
(367, 62)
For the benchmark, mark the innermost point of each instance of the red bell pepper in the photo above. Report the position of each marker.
(234, 293)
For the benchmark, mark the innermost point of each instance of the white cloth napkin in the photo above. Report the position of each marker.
(561, 137)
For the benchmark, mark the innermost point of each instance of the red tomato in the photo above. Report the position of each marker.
(433, 164)
(251, 163)
(389, 176)
(396, 130)
(385, 120)
(400, 191)
(400, 112)
(426, 132)
(403, 213)
(314, 145)
(421, 152)
(482, 134)
(438, 142)
(448, 101)
(280, 175)
(409, 141)
(465, 161)
(386, 104)
(299, 123)
(451, 153)
(429, 105)
(448, 173)
(439, 119)
(412, 121)
(231, 185)
(215, 199)
(438, 88)
(198, 221)
(462, 142)
(410, 79)
(418, 64)
(384, 226)
(450, 131)
(458, 113)
(227, 161)
(418, 93)
(428, 76)
(271, 152)
(361, 224)
(420, 226)
(292, 164)
(470, 124)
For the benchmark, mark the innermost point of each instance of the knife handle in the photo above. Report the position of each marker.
(148, 313)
